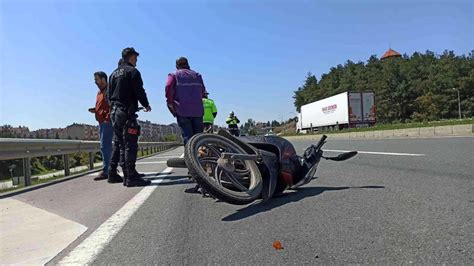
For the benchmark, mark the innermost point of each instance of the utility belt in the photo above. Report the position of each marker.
(132, 128)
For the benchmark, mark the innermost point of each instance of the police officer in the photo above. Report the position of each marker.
(233, 122)
(125, 91)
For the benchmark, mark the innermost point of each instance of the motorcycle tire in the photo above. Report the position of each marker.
(210, 184)
(176, 163)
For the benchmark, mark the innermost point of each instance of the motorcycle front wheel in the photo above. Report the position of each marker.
(241, 185)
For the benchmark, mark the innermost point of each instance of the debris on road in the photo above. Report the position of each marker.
(277, 245)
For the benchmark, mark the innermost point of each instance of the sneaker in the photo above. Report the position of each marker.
(114, 177)
(101, 176)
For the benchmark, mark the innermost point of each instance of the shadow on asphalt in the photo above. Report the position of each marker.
(157, 175)
(283, 199)
(170, 180)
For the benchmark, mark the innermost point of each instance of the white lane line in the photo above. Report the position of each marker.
(164, 157)
(86, 252)
(152, 162)
(158, 162)
(382, 153)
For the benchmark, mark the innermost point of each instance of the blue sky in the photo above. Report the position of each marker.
(252, 54)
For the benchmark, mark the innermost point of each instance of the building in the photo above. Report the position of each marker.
(48, 133)
(21, 132)
(81, 132)
(390, 54)
(150, 132)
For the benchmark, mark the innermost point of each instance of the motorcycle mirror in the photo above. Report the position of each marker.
(343, 156)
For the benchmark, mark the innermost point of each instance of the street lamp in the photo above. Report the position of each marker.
(459, 103)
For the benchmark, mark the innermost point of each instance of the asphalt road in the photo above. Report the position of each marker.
(89, 202)
(376, 208)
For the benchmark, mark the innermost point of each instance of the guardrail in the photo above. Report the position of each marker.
(25, 149)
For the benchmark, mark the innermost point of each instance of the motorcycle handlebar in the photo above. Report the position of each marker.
(321, 142)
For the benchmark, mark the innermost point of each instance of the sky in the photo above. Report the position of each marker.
(252, 54)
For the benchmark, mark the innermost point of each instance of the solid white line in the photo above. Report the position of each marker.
(155, 162)
(381, 153)
(163, 157)
(87, 251)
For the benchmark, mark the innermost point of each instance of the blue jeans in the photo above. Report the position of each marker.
(190, 126)
(106, 132)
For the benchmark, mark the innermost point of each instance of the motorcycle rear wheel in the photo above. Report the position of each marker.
(242, 186)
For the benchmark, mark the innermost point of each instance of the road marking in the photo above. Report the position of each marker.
(382, 153)
(165, 157)
(86, 252)
(153, 162)
(38, 234)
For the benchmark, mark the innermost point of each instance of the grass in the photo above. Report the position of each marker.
(396, 126)
(42, 172)
(45, 172)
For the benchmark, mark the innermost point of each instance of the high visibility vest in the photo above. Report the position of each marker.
(209, 109)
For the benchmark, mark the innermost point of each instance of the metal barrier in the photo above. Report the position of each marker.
(11, 148)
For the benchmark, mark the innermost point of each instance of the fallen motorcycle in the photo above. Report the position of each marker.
(244, 169)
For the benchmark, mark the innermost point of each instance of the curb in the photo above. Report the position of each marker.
(465, 130)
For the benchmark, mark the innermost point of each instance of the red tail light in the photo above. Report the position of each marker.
(287, 178)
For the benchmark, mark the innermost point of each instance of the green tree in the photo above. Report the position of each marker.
(417, 87)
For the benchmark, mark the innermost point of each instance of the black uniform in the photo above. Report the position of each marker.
(124, 92)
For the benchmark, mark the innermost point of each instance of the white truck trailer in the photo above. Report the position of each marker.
(344, 110)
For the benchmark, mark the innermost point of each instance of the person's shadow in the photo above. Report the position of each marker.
(283, 199)
(168, 179)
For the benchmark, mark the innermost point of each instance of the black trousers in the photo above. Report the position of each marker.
(125, 140)
(234, 130)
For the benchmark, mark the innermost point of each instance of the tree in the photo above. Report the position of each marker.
(416, 87)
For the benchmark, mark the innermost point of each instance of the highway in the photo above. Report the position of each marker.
(400, 201)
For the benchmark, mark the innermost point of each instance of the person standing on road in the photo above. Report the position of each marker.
(125, 91)
(184, 92)
(233, 123)
(210, 113)
(102, 115)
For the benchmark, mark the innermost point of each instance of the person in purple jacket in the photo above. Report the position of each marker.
(184, 92)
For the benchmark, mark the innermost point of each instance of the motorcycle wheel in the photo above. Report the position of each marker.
(242, 186)
(176, 163)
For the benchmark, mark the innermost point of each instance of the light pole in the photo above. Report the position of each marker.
(459, 103)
